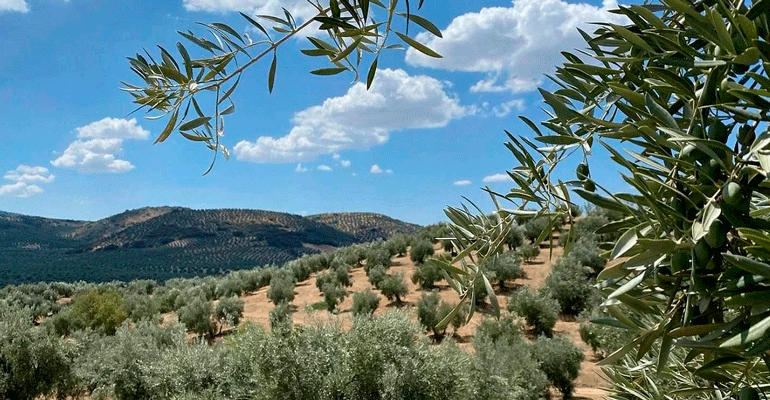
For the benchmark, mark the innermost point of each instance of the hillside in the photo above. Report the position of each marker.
(166, 242)
(367, 227)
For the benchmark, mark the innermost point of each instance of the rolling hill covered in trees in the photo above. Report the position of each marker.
(166, 242)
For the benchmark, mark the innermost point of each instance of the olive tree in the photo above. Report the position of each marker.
(678, 99)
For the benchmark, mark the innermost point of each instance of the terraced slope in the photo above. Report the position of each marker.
(167, 242)
(366, 227)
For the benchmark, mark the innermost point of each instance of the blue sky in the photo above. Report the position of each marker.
(317, 144)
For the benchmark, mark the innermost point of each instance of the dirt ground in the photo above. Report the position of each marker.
(257, 307)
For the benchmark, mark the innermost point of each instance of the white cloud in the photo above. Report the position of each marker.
(336, 156)
(301, 10)
(14, 5)
(504, 109)
(113, 128)
(464, 182)
(26, 181)
(376, 169)
(27, 174)
(324, 168)
(345, 163)
(360, 119)
(97, 146)
(496, 178)
(300, 168)
(513, 45)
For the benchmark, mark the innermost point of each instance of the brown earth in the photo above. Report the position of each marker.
(306, 310)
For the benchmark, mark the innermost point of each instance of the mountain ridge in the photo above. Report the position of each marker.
(167, 242)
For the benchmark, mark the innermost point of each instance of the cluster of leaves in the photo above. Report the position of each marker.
(539, 309)
(684, 87)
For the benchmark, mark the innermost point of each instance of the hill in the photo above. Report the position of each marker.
(167, 242)
(367, 227)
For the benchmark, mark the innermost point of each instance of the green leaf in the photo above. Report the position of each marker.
(328, 71)
(418, 46)
(425, 24)
(345, 52)
(747, 264)
(169, 127)
(660, 113)
(625, 243)
(271, 74)
(564, 140)
(372, 72)
(757, 331)
(190, 125)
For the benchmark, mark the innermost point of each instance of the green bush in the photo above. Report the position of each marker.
(281, 288)
(378, 255)
(586, 251)
(504, 266)
(365, 303)
(421, 250)
(98, 309)
(603, 339)
(528, 251)
(539, 309)
(333, 295)
(515, 237)
(376, 275)
(397, 244)
(506, 370)
(324, 278)
(229, 310)
(32, 362)
(431, 310)
(560, 361)
(506, 329)
(142, 307)
(280, 317)
(196, 316)
(534, 227)
(426, 275)
(342, 275)
(393, 287)
(570, 286)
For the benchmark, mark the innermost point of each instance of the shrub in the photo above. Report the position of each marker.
(560, 361)
(515, 237)
(506, 329)
(322, 279)
(430, 311)
(528, 251)
(33, 363)
(504, 266)
(570, 286)
(421, 250)
(143, 307)
(378, 255)
(376, 275)
(281, 287)
(229, 310)
(393, 287)
(333, 294)
(586, 251)
(229, 286)
(99, 309)
(603, 339)
(534, 227)
(426, 275)
(397, 245)
(539, 309)
(342, 275)
(365, 303)
(505, 369)
(196, 316)
(280, 318)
